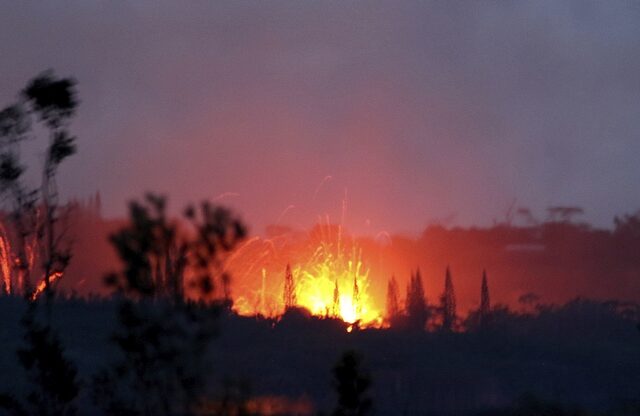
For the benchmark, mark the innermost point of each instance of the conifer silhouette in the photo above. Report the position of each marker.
(416, 303)
(448, 303)
(393, 309)
(356, 297)
(289, 289)
(335, 307)
(485, 301)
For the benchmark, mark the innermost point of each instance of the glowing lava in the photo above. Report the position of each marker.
(5, 260)
(12, 274)
(330, 277)
(334, 286)
(42, 285)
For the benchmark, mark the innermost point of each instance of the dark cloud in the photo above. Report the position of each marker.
(418, 109)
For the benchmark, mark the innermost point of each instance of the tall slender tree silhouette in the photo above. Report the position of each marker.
(448, 303)
(52, 101)
(335, 307)
(52, 376)
(356, 297)
(393, 308)
(289, 295)
(485, 301)
(416, 303)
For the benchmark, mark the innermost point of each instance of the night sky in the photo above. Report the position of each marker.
(419, 112)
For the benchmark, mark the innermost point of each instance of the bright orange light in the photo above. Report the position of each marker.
(5, 259)
(331, 280)
(332, 285)
(42, 285)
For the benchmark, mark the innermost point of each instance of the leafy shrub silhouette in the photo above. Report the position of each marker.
(163, 335)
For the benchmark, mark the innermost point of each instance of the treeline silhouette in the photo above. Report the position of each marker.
(581, 355)
(419, 315)
(554, 261)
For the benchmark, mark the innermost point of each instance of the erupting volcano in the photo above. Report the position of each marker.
(328, 276)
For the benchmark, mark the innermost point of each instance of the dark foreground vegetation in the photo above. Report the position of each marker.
(580, 356)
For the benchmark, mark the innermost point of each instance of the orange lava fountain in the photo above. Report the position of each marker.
(330, 277)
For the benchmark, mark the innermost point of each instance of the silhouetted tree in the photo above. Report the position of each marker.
(51, 375)
(289, 289)
(416, 303)
(154, 255)
(393, 308)
(527, 216)
(627, 229)
(356, 296)
(485, 301)
(14, 126)
(156, 251)
(335, 307)
(162, 336)
(563, 213)
(351, 383)
(53, 101)
(448, 303)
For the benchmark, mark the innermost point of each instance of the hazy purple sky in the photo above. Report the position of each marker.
(422, 111)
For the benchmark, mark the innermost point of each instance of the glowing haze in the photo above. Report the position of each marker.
(420, 111)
